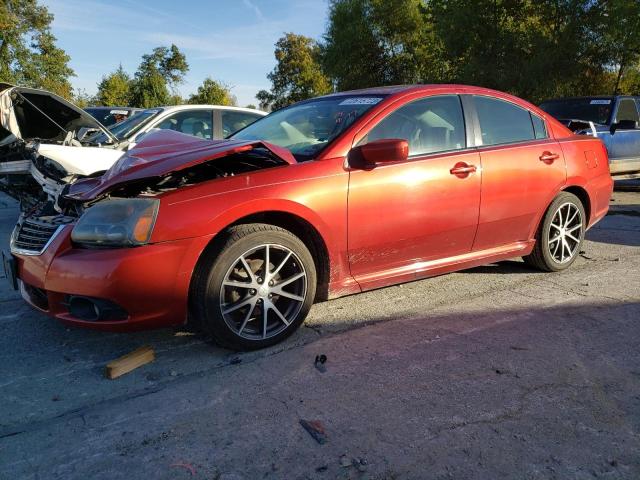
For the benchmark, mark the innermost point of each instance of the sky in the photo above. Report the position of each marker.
(229, 40)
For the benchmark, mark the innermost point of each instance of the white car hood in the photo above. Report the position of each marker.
(80, 160)
(29, 113)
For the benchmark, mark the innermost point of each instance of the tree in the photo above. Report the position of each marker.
(114, 89)
(265, 99)
(297, 74)
(251, 105)
(534, 49)
(376, 42)
(621, 36)
(82, 99)
(163, 68)
(28, 52)
(212, 93)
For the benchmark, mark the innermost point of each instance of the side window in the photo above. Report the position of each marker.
(503, 122)
(627, 111)
(233, 121)
(539, 128)
(433, 124)
(192, 122)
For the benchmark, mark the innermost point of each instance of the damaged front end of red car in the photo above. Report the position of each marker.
(105, 221)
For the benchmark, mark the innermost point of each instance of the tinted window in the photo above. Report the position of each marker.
(539, 128)
(194, 122)
(128, 127)
(596, 110)
(234, 121)
(503, 122)
(433, 124)
(627, 110)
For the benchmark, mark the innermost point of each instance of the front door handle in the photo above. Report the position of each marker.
(548, 157)
(462, 169)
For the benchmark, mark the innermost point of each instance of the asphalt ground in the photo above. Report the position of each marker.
(495, 372)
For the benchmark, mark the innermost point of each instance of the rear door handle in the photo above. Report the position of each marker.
(462, 169)
(548, 157)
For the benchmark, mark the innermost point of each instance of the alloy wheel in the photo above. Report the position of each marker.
(263, 291)
(565, 232)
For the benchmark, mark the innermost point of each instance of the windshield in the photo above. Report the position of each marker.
(306, 128)
(108, 116)
(128, 127)
(596, 110)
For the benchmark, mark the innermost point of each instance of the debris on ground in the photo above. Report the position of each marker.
(183, 334)
(186, 466)
(320, 361)
(130, 361)
(315, 429)
(235, 361)
(345, 461)
(582, 253)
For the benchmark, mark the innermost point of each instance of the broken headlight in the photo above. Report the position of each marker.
(126, 222)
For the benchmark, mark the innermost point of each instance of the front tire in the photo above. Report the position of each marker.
(254, 288)
(560, 235)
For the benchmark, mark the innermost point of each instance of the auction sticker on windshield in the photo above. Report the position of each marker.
(360, 101)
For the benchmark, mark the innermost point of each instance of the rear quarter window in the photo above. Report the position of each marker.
(539, 127)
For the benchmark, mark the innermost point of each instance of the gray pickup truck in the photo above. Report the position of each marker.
(614, 119)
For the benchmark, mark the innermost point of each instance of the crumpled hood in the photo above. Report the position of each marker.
(163, 152)
(29, 113)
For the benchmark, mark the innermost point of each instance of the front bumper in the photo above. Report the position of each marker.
(150, 284)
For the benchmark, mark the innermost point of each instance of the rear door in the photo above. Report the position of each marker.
(522, 168)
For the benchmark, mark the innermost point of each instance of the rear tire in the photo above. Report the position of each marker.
(254, 287)
(560, 234)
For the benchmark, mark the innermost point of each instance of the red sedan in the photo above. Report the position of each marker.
(331, 196)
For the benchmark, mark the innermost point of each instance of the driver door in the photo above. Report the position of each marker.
(403, 214)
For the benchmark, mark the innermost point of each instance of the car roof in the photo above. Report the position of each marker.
(401, 89)
(102, 107)
(177, 108)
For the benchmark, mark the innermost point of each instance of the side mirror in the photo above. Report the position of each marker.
(623, 125)
(379, 151)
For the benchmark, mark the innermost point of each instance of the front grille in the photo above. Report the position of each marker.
(32, 235)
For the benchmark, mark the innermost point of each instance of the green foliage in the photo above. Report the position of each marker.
(28, 53)
(114, 89)
(176, 99)
(297, 74)
(621, 40)
(376, 42)
(265, 99)
(212, 93)
(149, 90)
(532, 48)
(251, 105)
(82, 99)
(165, 67)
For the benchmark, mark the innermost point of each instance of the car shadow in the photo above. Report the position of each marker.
(621, 226)
(506, 267)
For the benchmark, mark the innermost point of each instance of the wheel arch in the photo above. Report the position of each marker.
(583, 196)
(297, 225)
